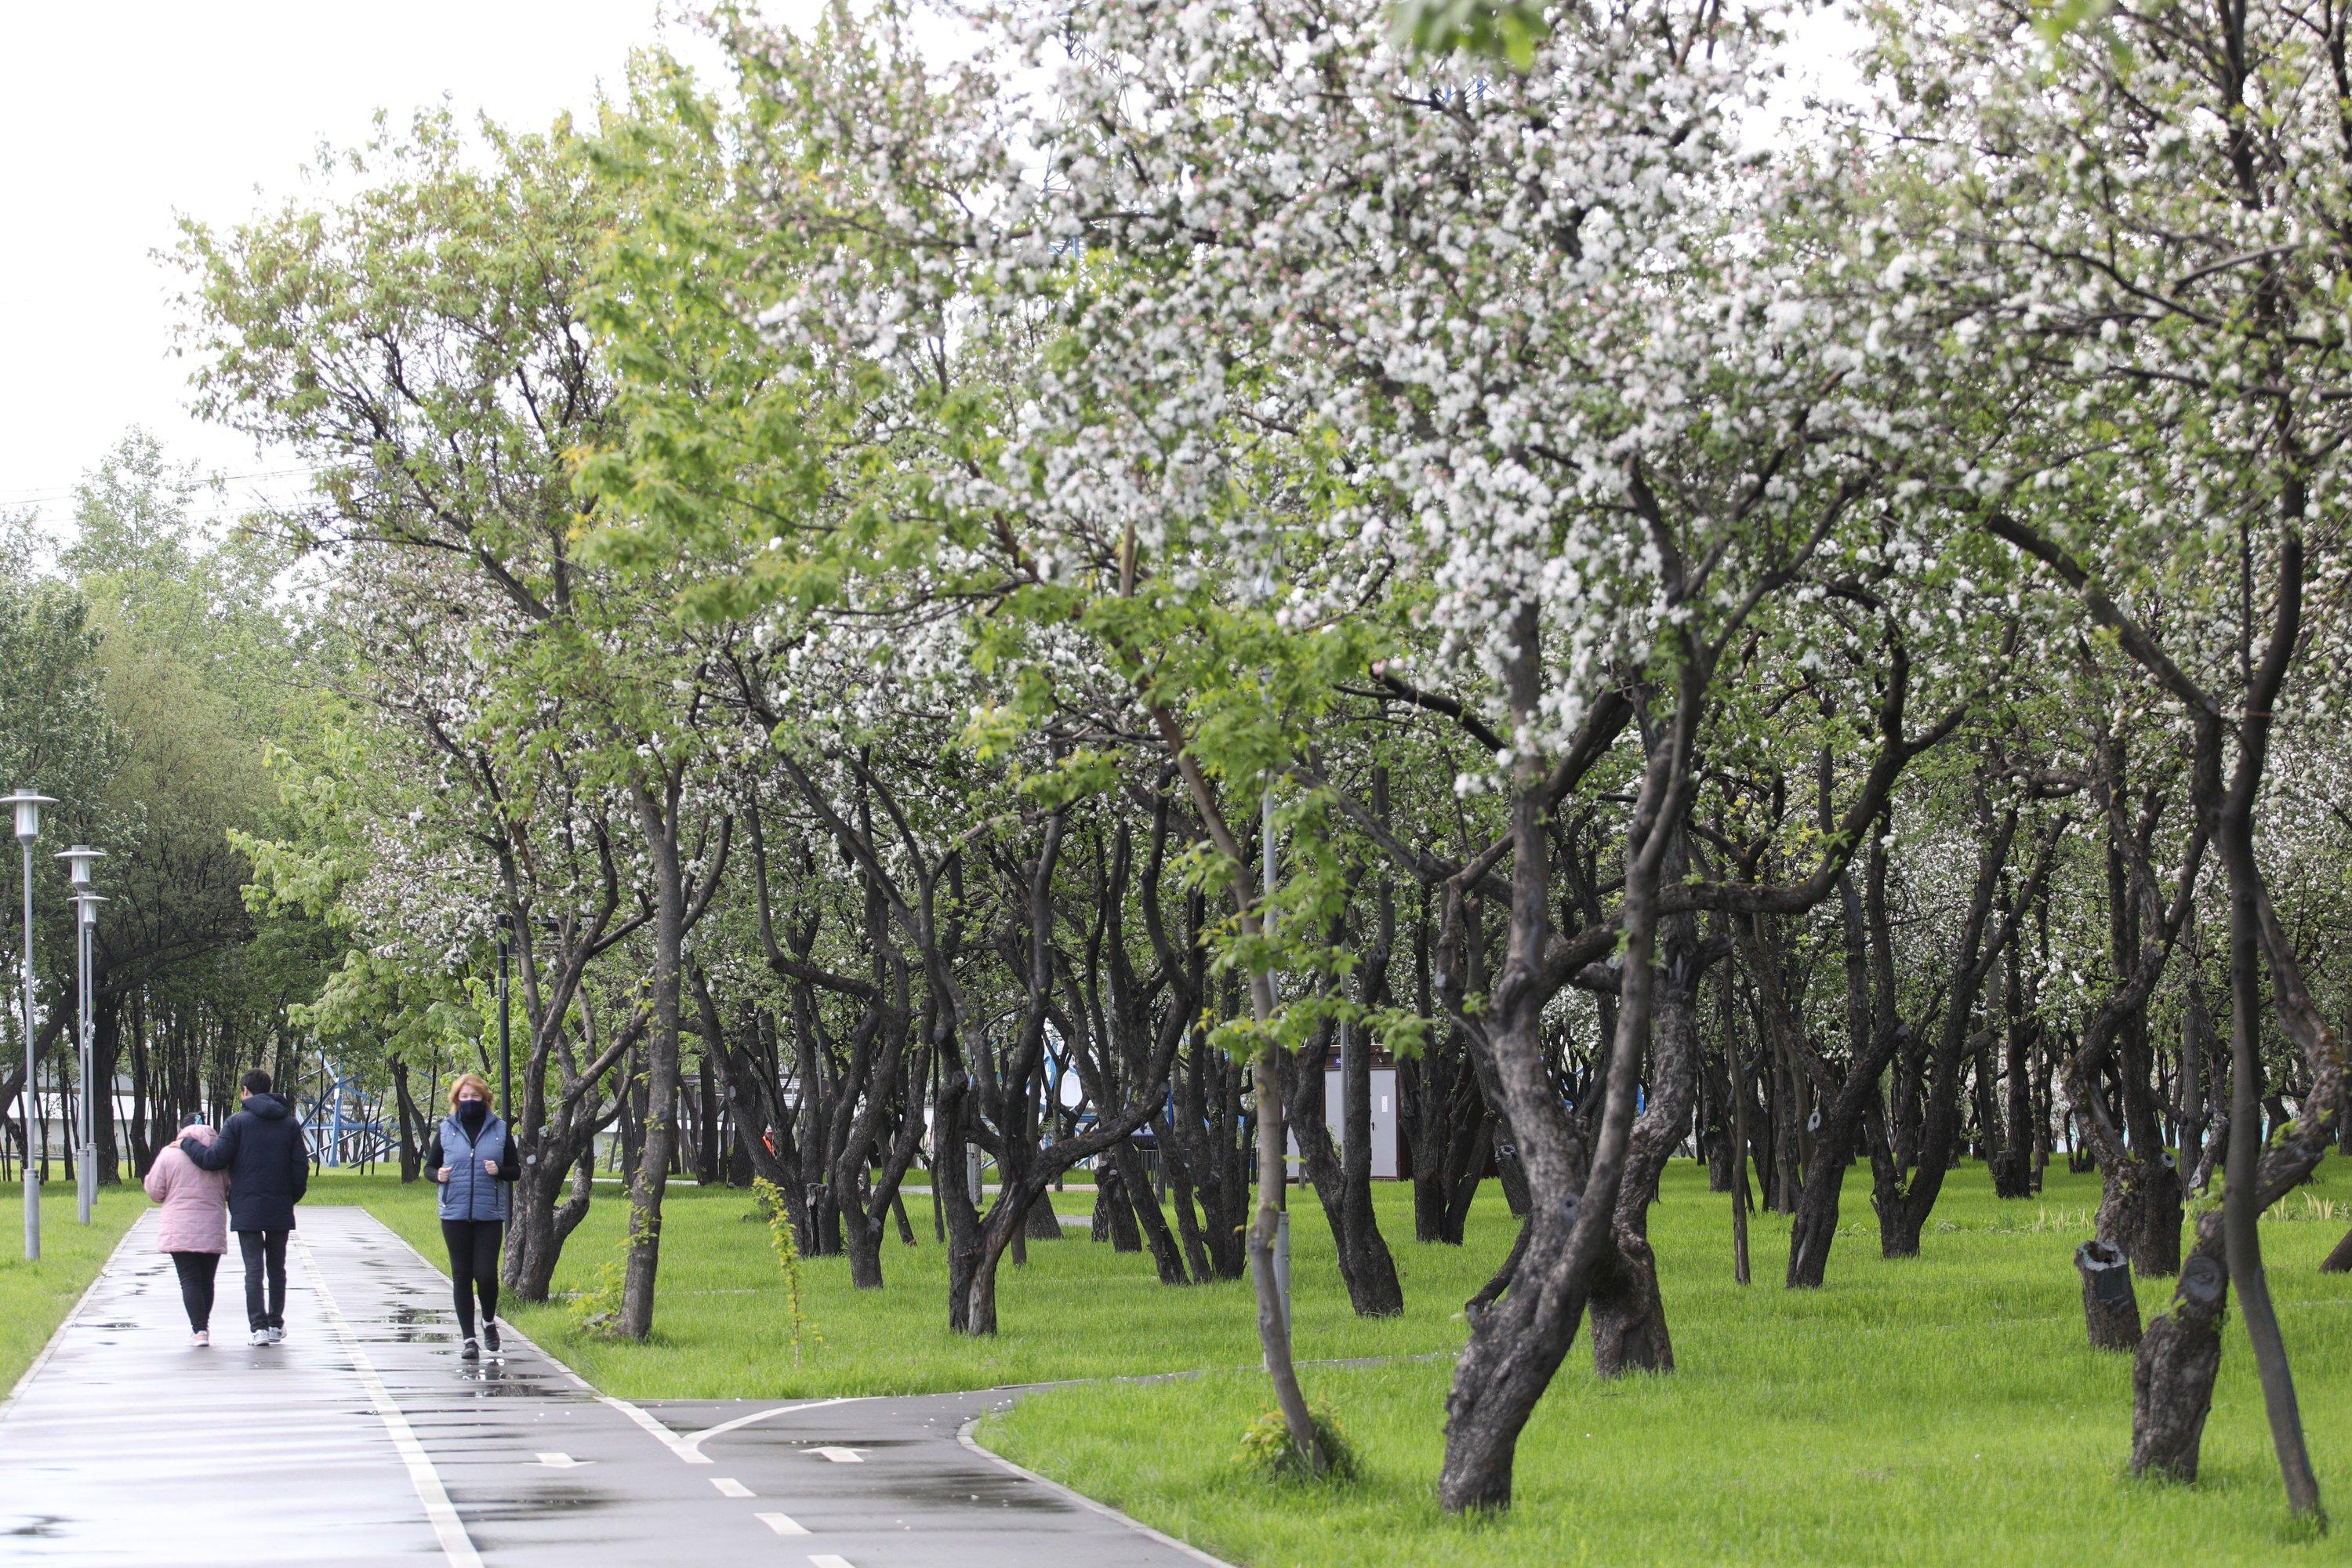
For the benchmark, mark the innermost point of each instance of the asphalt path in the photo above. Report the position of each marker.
(365, 1439)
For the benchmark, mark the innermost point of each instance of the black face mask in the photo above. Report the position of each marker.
(471, 1113)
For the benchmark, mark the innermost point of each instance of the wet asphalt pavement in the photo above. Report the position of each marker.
(363, 1438)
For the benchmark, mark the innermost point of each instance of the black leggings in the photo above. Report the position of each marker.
(265, 1254)
(473, 1267)
(196, 1271)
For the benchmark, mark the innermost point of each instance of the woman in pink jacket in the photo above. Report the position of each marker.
(193, 1226)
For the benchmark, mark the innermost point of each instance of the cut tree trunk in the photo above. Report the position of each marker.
(2110, 1309)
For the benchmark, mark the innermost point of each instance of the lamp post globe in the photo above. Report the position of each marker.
(28, 804)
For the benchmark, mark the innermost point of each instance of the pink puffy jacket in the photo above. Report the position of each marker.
(195, 1203)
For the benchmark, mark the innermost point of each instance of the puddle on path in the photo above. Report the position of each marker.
(417, 1325)
(975, 1489)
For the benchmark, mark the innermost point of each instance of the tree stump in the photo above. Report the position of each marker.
(2110, 1310)
(2172, 1378)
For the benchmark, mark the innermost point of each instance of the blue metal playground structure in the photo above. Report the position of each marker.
(342, 1126)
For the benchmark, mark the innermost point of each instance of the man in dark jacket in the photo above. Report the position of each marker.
(268, 1168)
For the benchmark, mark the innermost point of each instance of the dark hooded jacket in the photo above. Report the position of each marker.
(269, 1165)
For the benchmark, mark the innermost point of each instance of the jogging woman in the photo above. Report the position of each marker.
(473, 1161)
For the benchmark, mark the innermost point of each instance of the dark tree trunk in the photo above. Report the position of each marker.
(1815, 1227)
(1872, 1038)
(861, 1237)
(658, 818)
(1716, 1143)
(1365, 1266)
(412, 1156)
(1114, 1219)
(1516, 1346)
(1382, 1294)
(2196, 1052)
(1143, 1211)
(1902, 1220)
(706, 1120)
(2172, 1375)
(1629, 1314)
(106, 1047)
(2013, 1169)
(543, 1220)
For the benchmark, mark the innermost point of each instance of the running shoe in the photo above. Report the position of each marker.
(200, 1339)
(259, 1337)
(491, 1337)
(473, 1351)
(277, 1334)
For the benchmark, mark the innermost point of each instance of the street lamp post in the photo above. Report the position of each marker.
(505, 1055)
(28, 804)
(86, 900)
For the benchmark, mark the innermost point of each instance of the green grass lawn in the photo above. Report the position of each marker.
(35, 1296)
(1945, 1410)
(1940, 1411)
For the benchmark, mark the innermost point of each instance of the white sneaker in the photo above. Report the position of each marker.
(276, 1336)
(259, 1337)
(200, 1339)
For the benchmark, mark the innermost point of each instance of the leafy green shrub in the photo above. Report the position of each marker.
(1266, 1447)
(596, 1311)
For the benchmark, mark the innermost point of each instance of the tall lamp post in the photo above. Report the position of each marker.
(28, 804)
(506, 1056)
(86, 900)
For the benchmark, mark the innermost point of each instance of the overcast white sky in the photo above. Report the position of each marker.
(116, 117)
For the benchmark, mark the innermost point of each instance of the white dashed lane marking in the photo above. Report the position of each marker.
(782, 1524)
(729, 1486)
(562, 1462)
(840, 1456)
(828, 1559)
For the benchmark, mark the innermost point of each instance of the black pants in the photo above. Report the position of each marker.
(473, 1267)
(264, 1248)
(196, 1271)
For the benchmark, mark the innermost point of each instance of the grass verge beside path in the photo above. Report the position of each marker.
(1940, 1411)
(35, 1296)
